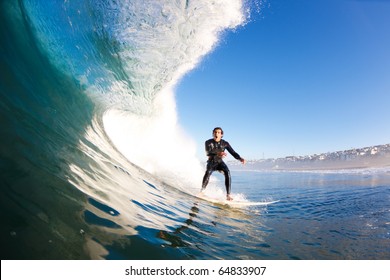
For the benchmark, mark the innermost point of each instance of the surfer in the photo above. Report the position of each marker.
(215, 150)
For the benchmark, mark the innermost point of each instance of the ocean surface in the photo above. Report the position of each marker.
(87, 116)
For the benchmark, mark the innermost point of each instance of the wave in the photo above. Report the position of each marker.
(91, 149)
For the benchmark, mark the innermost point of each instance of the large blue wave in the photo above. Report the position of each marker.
(84, 85)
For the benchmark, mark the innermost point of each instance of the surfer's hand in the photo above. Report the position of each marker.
(243, 161)
(221, 154)
(229, 198)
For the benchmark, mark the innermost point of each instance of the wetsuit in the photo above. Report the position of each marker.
(215, 162)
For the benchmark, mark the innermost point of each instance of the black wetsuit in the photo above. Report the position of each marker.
(215, 162)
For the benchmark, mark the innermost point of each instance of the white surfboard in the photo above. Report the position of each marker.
(233, 202)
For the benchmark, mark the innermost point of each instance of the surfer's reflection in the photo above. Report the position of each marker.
(233, 217)
(172, 237)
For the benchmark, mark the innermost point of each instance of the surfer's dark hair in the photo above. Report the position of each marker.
(217, 129)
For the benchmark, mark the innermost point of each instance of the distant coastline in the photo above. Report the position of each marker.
(368, 157)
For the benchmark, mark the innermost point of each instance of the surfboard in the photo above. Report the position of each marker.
(234, 203)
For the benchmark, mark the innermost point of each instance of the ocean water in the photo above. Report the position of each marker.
(321, 215)
(86, 86)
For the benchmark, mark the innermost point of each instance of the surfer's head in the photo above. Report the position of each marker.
(217, 133)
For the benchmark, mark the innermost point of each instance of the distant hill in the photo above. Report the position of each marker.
(369, 157)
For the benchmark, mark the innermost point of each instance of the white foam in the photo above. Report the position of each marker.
(156, 143)
(161, 41)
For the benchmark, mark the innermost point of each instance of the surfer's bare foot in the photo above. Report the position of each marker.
(228, 197)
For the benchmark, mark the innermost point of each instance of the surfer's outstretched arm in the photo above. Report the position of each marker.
(234, 153)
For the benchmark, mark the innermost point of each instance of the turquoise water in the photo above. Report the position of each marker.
(84, 86)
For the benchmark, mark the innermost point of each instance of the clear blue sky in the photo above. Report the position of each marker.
(302, 77)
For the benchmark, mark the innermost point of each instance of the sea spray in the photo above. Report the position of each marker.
(156, 143)
(172, 39)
